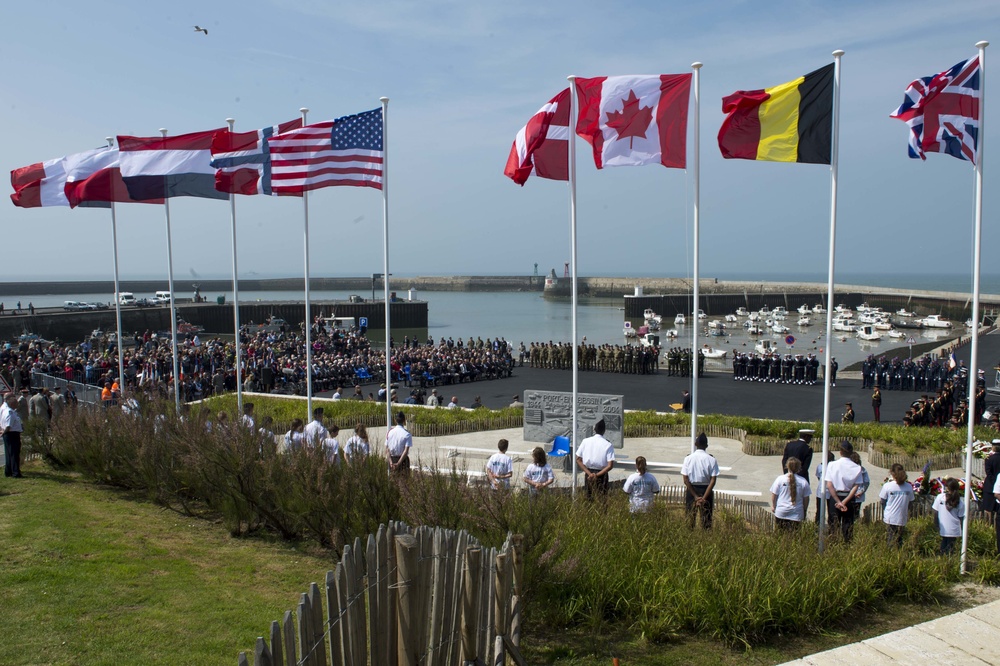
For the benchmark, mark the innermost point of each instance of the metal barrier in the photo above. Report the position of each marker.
(85, 393)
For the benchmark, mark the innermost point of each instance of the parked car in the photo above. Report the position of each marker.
(99, 306)
(72, 305)
(144, 303)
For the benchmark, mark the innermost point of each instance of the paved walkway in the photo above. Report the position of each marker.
(968, 638)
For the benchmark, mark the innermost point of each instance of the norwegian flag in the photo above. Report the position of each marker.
(942, 112)
(243, 159)
(542, 144)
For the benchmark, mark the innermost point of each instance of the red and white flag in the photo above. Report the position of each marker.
(97, 180)
(635, 120)
(542, 144)
(44, 183)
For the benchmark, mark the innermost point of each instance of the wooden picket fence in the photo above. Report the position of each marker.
(410, 596)
(756, 516)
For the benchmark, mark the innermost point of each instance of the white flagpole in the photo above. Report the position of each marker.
(976, 253)
(118, 301)
(305, 227)
(572, 232)
(834, 157)
(173, 306)
(236, 296)
(385, 258)
(696, 168)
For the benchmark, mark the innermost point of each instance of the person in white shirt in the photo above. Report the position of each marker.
(338, 393)
(315, 432)
(700, 471)
(357, 446)
(790, 497)
(500, 467)
(895, 498)
(398, 442)
(331, 446)
(454, 402)
(433, 400)
(538, 474)
(843, 480)
(596, 457)
(12, 427)
(866, 482)
(822, 494)
(293, 438)
(950, 509)
(641, 487)
(247, 418)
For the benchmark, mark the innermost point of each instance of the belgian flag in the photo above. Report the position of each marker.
(791, 122)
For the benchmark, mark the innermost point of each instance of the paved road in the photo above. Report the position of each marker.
(718, 392)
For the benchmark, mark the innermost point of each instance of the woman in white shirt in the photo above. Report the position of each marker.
(950, 508)
(294, 437)
(357, 445)
(538, 474)
(895, 498)
(641, 488)
(790, 497)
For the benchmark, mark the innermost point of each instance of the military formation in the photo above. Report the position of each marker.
(921, 374)
(776, 368)
(628, 359)
(679, 362)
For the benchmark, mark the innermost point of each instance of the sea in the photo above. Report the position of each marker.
(528, 317)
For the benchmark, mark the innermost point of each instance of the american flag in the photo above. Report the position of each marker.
(942, 112)
(345, 151)
(243, 159)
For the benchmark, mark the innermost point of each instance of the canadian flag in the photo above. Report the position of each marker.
(543, 143)
(635, 120)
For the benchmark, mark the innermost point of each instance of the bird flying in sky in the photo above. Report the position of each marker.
(200, 29)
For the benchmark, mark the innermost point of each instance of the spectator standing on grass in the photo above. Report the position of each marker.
(895, 497)
(641, 487)
(949, 511)
(294, 437)
(12, 427)
(843, 480)
(357, 445)
(538, 474)
(596, 457)
(331, 445)
(991, 468)
(822, 494)
(398, 443)
(500, 467)
(700, 471)
(859, 499)
(790, 497)
(315, 432)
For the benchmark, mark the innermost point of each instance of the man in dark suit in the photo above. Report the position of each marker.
(991, 466)
(800, 449)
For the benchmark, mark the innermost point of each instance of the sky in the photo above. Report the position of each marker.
(462, 78)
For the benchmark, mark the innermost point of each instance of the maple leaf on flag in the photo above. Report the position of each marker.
(631, 121)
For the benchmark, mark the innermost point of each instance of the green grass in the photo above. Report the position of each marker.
(92, 576)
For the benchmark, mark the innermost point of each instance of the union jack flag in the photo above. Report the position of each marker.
(243, 159)
(942, 112)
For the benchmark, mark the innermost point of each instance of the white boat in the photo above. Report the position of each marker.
(968, 322)
(819, 309)
(764, 311)
(711, 352)
(670, 333)
(883, 325)
(804, 321)
(715, 323)
(753, 329)
(742, 312)
(679, 320)
(701, 315)
(842, 324)
(935, 321)
(778, 316)
(780, 311)
(804, 309)
(731, 318)
(717, 332)
(778, 327)
(766, 347)
(903, 312)
(868, 317)
(868, 333)
(653, 324)
(628, 330)
(648, 314)
(896, 334)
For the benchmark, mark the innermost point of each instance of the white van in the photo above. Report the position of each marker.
(126, 298)
(162, 297)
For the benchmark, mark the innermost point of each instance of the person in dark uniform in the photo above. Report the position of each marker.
(833, 371)
(989, 503)
(877, 404)
(686, 404)
(801, 449)
(848, 416)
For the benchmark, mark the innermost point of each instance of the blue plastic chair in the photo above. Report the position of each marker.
(560, 447)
